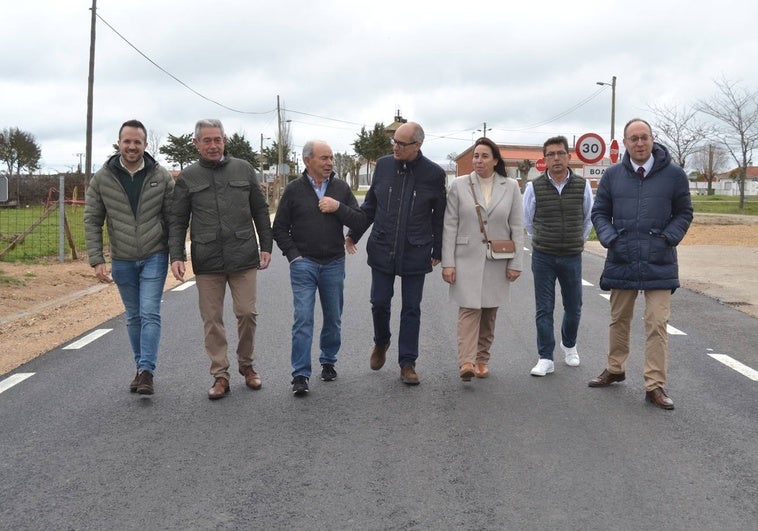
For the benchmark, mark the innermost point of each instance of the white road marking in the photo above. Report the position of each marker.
(10, 381)
(736, 365)
(86, 340)
(184, 285)
(674, 331)
(585, 283)
(606, 296)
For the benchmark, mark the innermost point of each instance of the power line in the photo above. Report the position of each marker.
(172, 76)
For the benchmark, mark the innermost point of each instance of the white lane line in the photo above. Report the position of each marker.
(86, 340)
(736, 365)
(606, 296)
(585, 283)
(184, 285)
(10, 381)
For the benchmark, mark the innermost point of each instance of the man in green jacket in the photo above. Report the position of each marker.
(223, 197)
(133, 194)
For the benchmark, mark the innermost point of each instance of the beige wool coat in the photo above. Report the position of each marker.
(481, 283)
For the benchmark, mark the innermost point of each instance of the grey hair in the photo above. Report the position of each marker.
(308, 148)
(418, 133)
(208, 122)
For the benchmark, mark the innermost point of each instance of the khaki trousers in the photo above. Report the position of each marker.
(476, 331)
(657, 311)
(211, 289)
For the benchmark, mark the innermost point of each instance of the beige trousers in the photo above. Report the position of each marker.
(657, 311)
(476, 332)
(211, 290)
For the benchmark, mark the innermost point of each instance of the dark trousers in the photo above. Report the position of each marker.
(382, 290)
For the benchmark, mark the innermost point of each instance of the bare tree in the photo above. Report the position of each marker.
(736, 111)
(678, 129)
(452, 163)
(343, 163)
(707, 161)
(153, 142)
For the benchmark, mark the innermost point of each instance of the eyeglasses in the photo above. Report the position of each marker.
(635, 139)
(555, 154)
(402, 144)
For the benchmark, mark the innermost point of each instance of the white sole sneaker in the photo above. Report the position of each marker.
(542, 368)
(571, 356)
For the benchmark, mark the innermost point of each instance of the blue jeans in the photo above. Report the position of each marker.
(548, 268)
(140, 284)
(382, 290)
(307, 276)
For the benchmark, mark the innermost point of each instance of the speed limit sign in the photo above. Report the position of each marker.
(590, 148)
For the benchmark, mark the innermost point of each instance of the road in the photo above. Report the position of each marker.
(78, 451)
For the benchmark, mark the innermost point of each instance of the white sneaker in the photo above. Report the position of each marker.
(543, 367)
(572, 357)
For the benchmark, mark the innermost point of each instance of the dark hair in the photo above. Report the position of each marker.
(133, 123)
(560, 139)
(500, 164)
(630, 122)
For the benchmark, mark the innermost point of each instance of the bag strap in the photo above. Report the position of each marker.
(478, 210)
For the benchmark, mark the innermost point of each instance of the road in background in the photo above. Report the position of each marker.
(78, 451)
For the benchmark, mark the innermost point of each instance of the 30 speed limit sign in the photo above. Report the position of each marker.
(590, 148)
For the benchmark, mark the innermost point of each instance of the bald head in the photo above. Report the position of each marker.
(407, 141)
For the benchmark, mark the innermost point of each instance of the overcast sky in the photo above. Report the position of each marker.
(337, 65)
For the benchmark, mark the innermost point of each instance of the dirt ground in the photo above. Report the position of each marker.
(45, 305)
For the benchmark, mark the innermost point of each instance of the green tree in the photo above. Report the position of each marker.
(371, 146)
(19, 151)
(239, 147)
(179, 150)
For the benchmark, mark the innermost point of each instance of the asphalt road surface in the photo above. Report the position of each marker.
(78, 451)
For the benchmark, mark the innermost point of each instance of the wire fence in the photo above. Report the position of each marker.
(31, 225)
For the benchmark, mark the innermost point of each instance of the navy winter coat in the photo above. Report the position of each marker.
(641, 221)
(406, 203)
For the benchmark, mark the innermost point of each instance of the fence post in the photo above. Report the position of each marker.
(61, 218)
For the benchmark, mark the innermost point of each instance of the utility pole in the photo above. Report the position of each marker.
(612, 84)
(80, 160)
(710, 169)
(90, 90)
(279, 179)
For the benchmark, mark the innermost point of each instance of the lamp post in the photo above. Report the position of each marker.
(612, 84)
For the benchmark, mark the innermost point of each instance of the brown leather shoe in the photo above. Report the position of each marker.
(252, 378)
(133, 385)
(481, 370)
(607, 378)
(660, 398)
(220, 388)
(145, 383)
(378, 356)
(467, 372)
(408, 375)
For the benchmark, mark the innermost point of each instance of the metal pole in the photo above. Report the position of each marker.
(61, 218)
(613, 106)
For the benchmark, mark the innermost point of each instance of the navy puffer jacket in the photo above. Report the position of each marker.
(406, 204)
(641, 221)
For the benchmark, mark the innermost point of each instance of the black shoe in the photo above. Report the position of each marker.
(328, 373)
(145, 383)
(134, 384)
(300, 386)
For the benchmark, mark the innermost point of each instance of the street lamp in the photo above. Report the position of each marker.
(612, 84)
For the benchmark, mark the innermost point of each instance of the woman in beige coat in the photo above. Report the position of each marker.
(477, 284)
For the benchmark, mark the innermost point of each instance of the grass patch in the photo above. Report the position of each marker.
(8, 281)
(724, 204)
